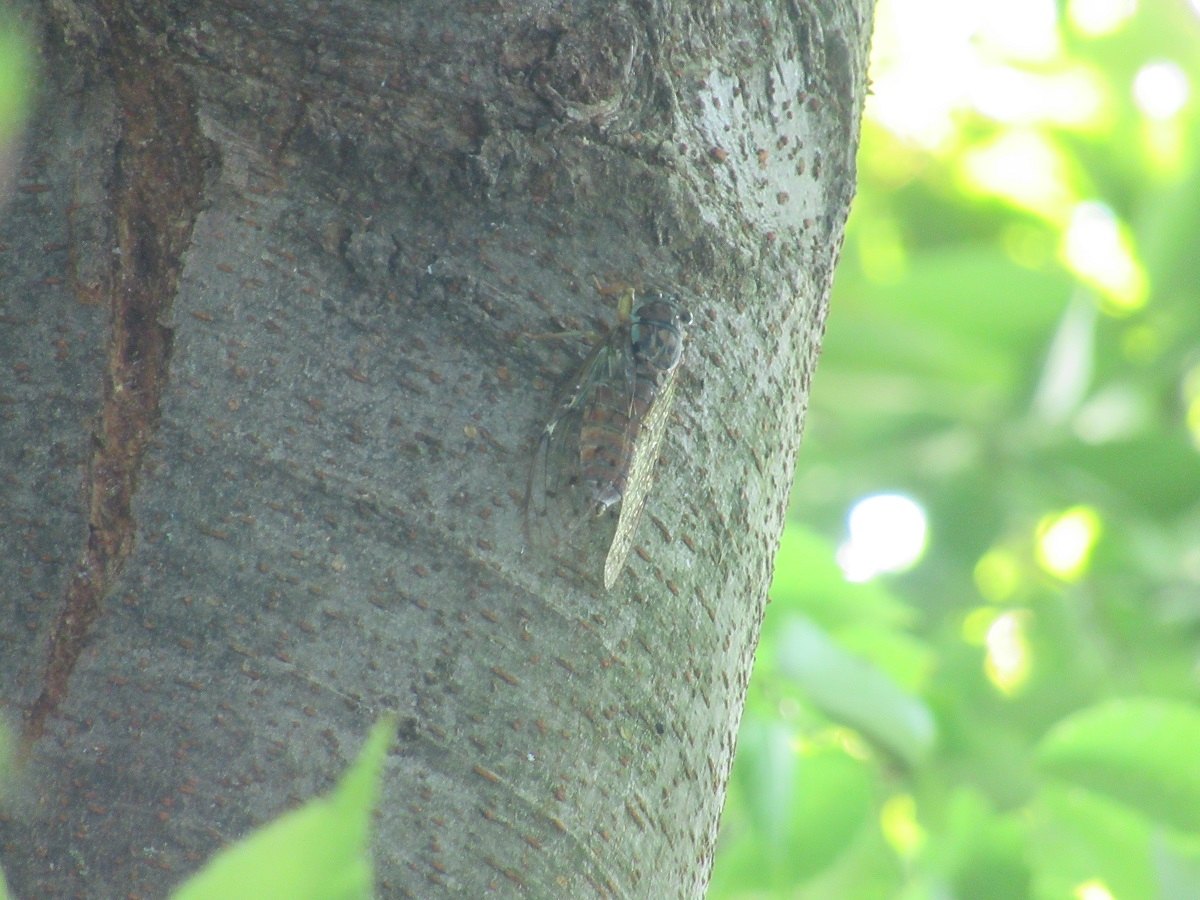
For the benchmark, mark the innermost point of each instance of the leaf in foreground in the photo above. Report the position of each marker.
(319, 851)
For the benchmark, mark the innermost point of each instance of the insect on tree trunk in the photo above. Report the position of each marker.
(270, 403)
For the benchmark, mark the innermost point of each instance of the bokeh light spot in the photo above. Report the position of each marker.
(1020, 29)
(1191, 397)
(1024, 168)
(919, 55)
(898, 822)
(1097, 250)
(1065, 541)
(1074, 98)
(1093, 890)
(1096, 18)
(1008, 655)
(887, 534)
(1161, 90)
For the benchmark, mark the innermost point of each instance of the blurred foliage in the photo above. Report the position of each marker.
(1014, 343)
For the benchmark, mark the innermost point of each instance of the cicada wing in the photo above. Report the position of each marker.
(641, 479)
(555, 502)
(560, 508)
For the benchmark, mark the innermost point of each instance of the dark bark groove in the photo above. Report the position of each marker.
(156, 191)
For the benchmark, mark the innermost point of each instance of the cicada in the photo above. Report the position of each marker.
(595, 461)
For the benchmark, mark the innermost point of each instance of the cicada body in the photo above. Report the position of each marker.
(595, 461)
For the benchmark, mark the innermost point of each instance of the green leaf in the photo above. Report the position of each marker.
(853, 691)
(832, 799)
(15, 72)
(1141, 751)
(318, 852)
(907, 660)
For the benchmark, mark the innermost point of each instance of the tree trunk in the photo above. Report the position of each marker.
(269, 404)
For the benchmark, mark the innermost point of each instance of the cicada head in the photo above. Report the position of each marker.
(657, 332)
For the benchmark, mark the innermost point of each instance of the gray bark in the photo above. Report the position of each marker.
(267, 408)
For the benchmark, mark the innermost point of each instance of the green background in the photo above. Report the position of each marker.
(997, 721)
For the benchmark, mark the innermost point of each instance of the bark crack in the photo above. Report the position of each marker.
(158, 175)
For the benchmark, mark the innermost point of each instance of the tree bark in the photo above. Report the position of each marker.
(268, 406)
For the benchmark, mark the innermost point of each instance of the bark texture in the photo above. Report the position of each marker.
(267, 406)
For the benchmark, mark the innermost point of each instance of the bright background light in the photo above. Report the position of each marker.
(1008, 659)
(1096, 18)
(1161, 90)
(1065, 541)
(887, 534)
(934, 59)
(1024, 168)
(1093, 890)
(1098, 251)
